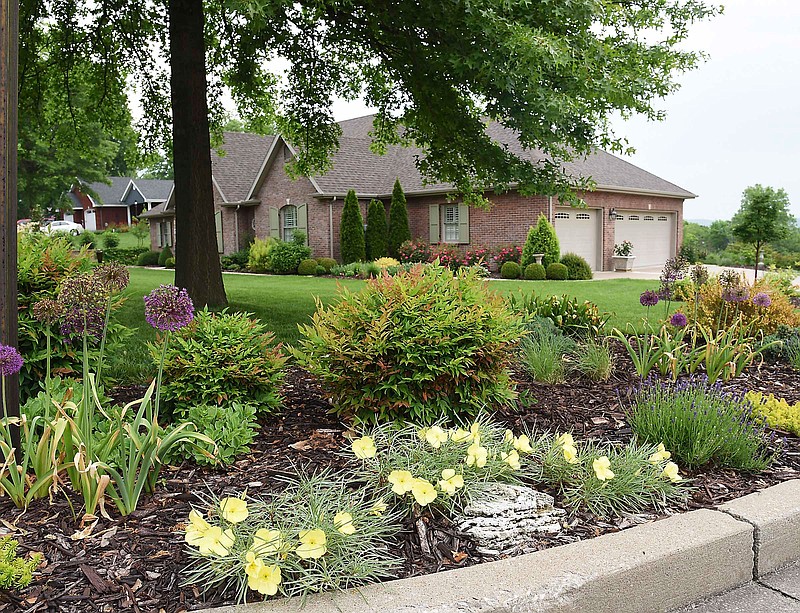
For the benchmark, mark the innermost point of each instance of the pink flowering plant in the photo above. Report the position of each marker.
(511, 253)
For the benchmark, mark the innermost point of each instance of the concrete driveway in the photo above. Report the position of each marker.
(654, 272)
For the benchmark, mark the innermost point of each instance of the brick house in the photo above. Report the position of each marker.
(253, 196)
(103, 205)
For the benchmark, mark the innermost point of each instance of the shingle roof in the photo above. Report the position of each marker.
(109, 194)
(236, 171)
(159, 210)
(154, 189)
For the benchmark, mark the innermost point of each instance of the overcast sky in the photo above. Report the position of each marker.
(736, 119)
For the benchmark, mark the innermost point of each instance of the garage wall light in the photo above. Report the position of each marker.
(612, 214)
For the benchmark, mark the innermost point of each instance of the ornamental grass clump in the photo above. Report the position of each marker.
(421, 346)
(315, 535)
(700, 424)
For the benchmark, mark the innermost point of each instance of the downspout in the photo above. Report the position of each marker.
(330, 224)
(550, 209)
(235, 227)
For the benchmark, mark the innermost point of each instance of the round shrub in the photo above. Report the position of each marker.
(221, 358)
(87, 239)
(284, 258)
(578, 269)
(258, 260)
(320, 270)
(166, 254)
(420, 346)
(307, 267)
(510, 270)
(327, 263)
(170, 263)
(535, 272)
(110, 240)
(557, 272)
(148, 258)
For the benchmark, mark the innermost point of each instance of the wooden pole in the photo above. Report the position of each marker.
(9, 35)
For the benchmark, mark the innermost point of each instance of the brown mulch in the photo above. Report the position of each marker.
(134, 563)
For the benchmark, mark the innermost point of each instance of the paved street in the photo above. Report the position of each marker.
(778, 592)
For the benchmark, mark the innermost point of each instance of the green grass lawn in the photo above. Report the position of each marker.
(282, 302)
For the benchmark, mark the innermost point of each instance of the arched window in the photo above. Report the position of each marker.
(288, 221)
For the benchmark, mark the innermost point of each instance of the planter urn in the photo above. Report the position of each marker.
(623, 263)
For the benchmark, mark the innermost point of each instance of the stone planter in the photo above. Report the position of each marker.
(623, 263)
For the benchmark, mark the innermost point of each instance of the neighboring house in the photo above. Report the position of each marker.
(103, 205)
(253, 196)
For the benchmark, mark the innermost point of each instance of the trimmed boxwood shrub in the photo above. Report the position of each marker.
(535, 272)
(128, 257)
(307, 267)
(421, 346)
(220, 359)
(148, 258)
(166, 254)
(578, 269)
(510, 270)
(326, 263)
(557, 272)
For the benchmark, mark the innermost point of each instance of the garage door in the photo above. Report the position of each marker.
(652, 235)
(578, 232)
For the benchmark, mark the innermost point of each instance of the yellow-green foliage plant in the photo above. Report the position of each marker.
(260, 252)
(421, 346)
(316, 535)
(15, 572)
(778, 413)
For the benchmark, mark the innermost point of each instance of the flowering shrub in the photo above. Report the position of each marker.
(417, 250)
(421, 346)
(477, 257)
(447, 256)
(315, 535)
(778, 413)
(15, 572)
(511, 253)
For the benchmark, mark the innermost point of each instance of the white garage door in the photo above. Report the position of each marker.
(578, 232)
(652, 235)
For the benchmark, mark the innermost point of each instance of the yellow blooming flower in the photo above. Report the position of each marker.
(570, 454)
(267, 542)
(402, 481)
(475, 432)
(435, 436)
(260, 577)
(512, 459)
(565, 440)
(671, 472)
(313, 544)
(196, 529)
(602, 468)
(509, 436)
(233, 510)
(450, 481)
(378, 509)
(660, 455)
(216, 541)
(364, 448)
(344, 523)
(459, 435)
(523, 444)
(424, 493)
(477, 455)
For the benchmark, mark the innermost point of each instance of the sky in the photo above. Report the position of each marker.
(734, 122)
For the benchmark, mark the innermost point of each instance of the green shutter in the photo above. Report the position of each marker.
(274, 223)
(463, 223)
(158, 234)
(218, 223)
(433, 220)
(302, 219)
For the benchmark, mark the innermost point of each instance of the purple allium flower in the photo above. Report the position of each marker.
(648, 298)
(736, 294)
(114, 276)
(47, 311)
(729, 278)
(10, 361)
(678, 320)
(761, 299)
(168, 308)
(699, 274)
(83, 299)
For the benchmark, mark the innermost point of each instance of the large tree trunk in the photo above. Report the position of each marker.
(197, 266)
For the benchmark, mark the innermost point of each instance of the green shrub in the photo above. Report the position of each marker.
(421, 346)
(541, 239)
(578, 268)
(418, 250)
(232, 428)
(307, 267)
(510, 270)
(376, 236)
(399, 231)
(284, 258)
(87, 239)
(689, 418)
(535, 272)
(166, 254)
(574, 318)
(260, 253)
(15, 572)
(126, 257)
(557, 272)
(110, 240)
(148, 258)
(351, 231)
(367, 270)
(220, 359)
(320, 270)
(237, 260)
(326, 263)
(595, 360)
(543, 351)
(170, 263)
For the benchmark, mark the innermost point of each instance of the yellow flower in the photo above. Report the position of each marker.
(512, 459)
(344, 523)
(435, 436)
(364, 448)
(602, 468)
(570, 454)
(267, 542)
(424, 493)
(254, 563)
(450, 481)
(261, 578)
(660, 455)
(233, 510)
(196, 529)
(475, 432)
(215, 540)
(402, 481)
(477, 455)
(459, 435)
(565, 440)
(671, 472)
(378, 509)
(523, 444)
(312, 544)
(509, 436)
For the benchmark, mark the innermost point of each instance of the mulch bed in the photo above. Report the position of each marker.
(134, 563)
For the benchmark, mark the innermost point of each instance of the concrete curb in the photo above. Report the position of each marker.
(654, 567)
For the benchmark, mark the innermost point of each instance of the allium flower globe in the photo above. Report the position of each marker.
(762, 299)
(10, 361)
(113, 276)
(168, 308)
(47, 311)
(678, 320)
(83, 298)
(648, 298)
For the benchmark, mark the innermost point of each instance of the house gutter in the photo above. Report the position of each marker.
(235, 227)
(330, 225)
(550, 209)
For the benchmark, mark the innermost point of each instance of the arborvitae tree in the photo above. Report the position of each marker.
(399, 232)
(541, 239)
(351, 231)
(376, 240)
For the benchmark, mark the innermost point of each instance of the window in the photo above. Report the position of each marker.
(561, 215)
(288, 222)
(662, 218)
(649, 218)
(583, 216)
(450, 224)
(165, 234)
(633, 218)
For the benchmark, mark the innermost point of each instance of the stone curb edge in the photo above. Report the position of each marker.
(653, 567)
